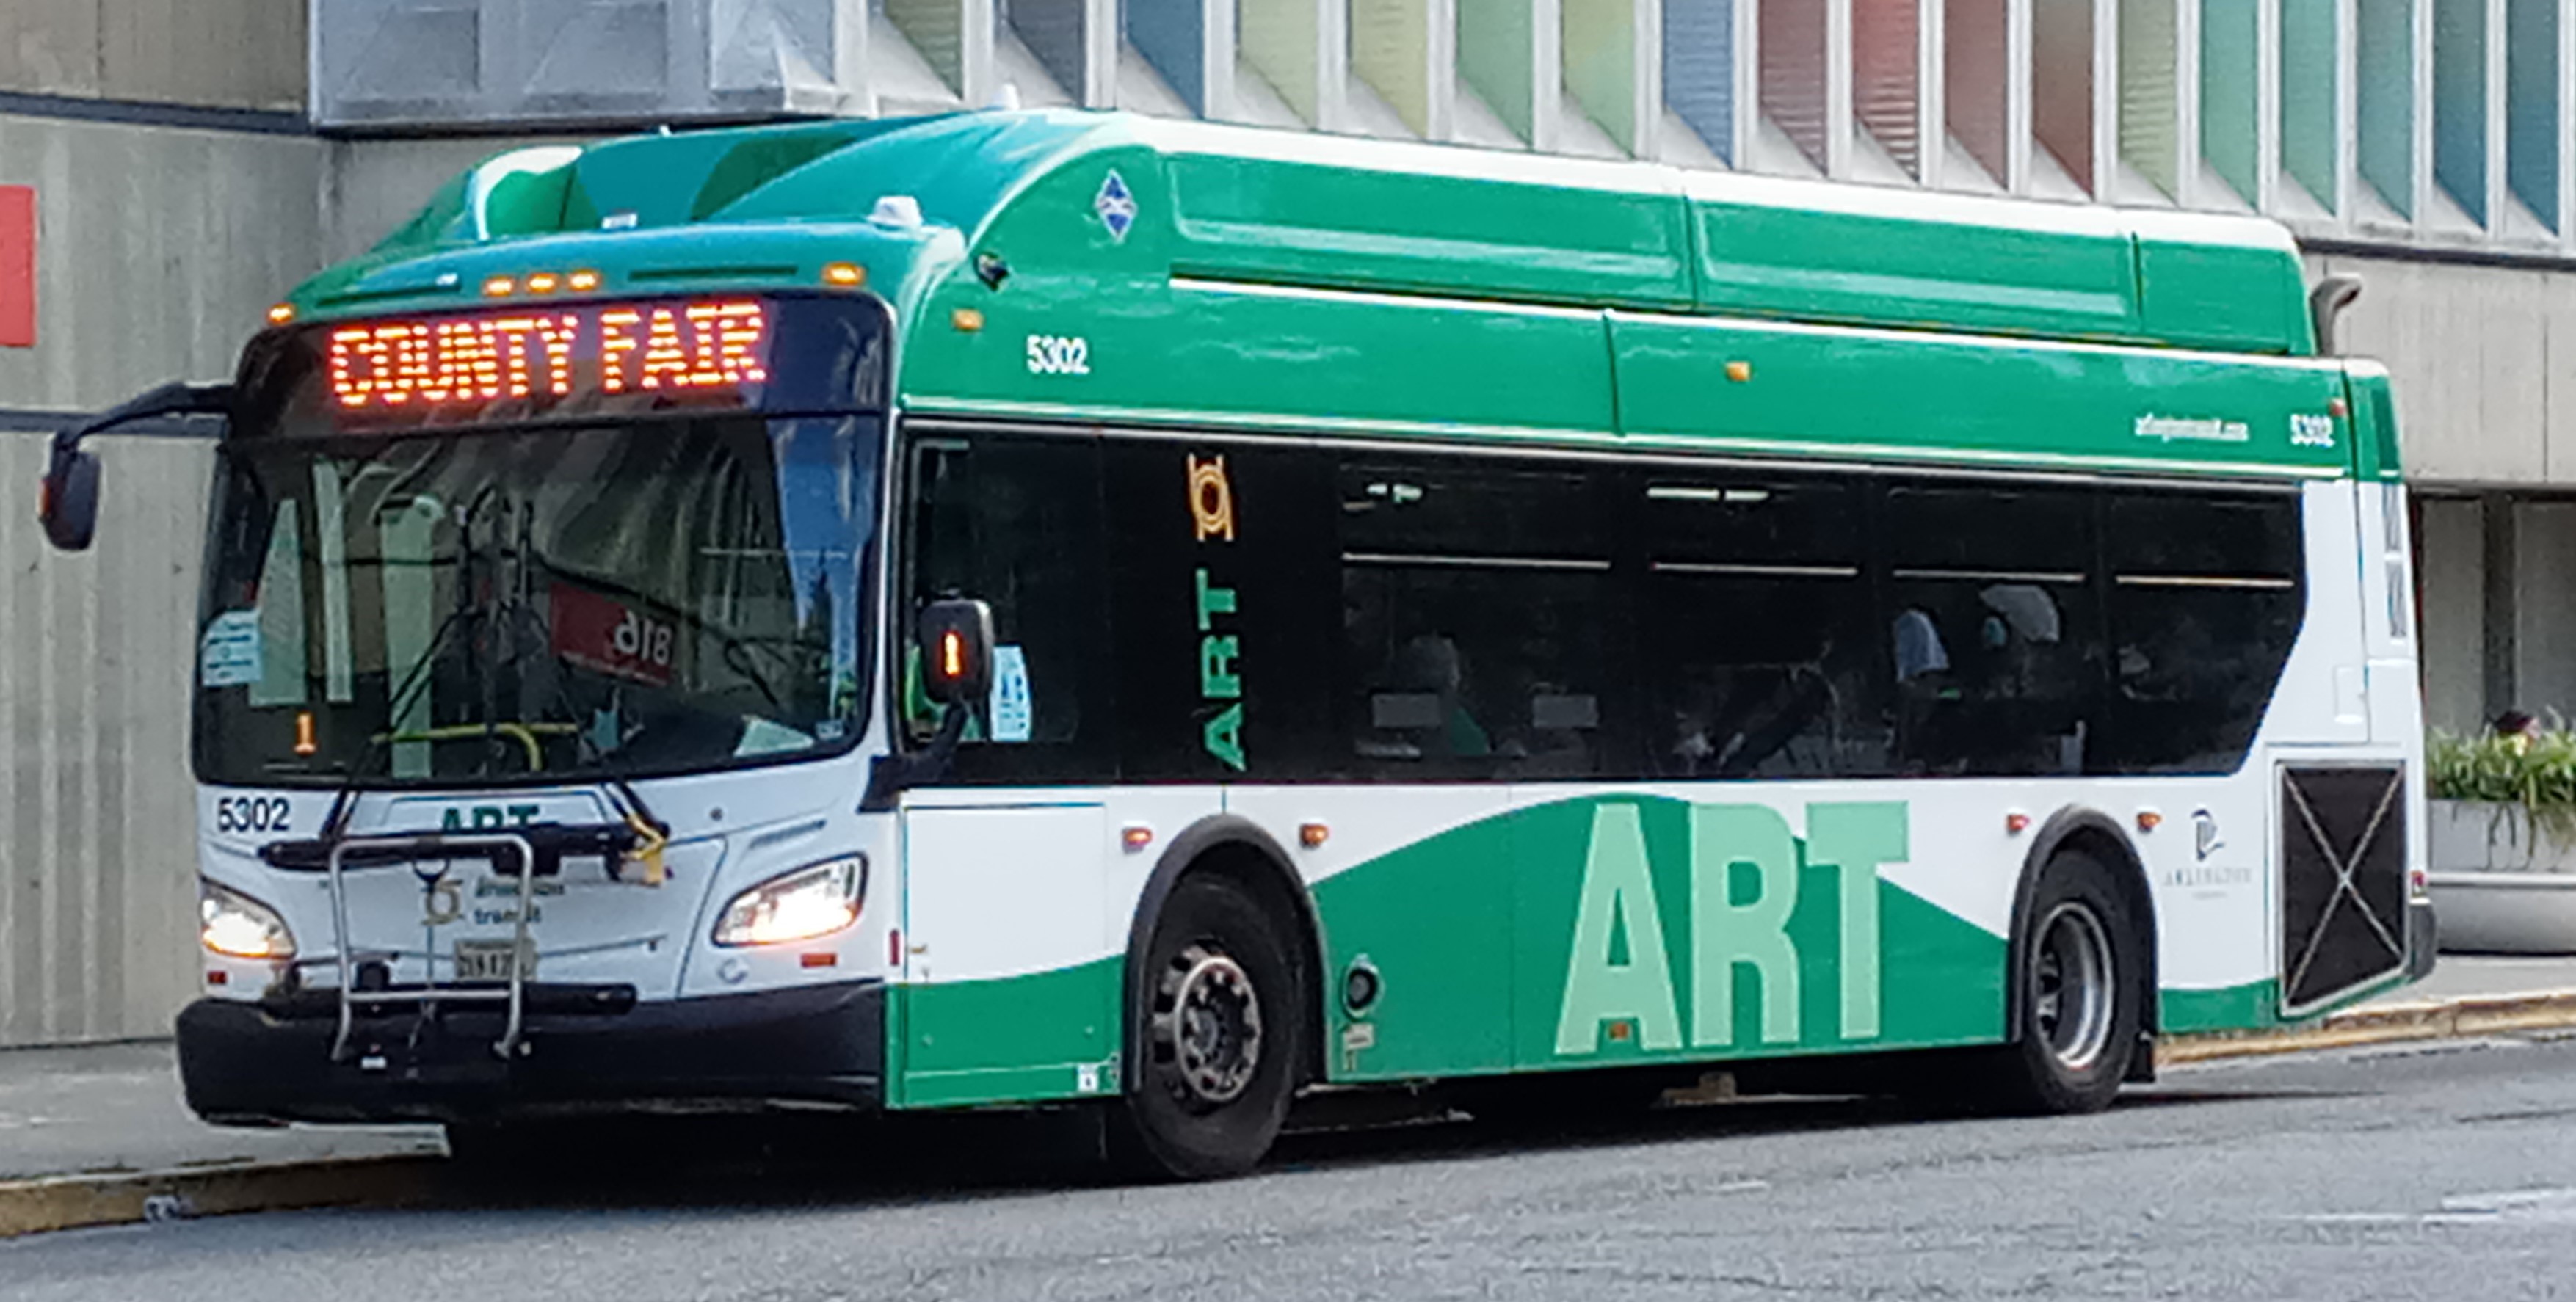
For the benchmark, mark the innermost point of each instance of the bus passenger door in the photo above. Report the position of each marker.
(1011, 974)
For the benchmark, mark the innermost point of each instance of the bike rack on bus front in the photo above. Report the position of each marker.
(410, 848)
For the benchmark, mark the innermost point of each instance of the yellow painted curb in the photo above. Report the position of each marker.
(2432, 1019)
(66, 1202)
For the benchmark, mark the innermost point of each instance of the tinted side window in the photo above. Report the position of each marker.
(1995, 629)
(1475, 609)
(1226, 570)
(2205, 602)
(1015, 522)
(1761, 656)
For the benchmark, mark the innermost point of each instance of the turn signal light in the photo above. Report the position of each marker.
(1313, 835)
(1136, 836)
(2149, 820)
(845, 274)
(281, 314)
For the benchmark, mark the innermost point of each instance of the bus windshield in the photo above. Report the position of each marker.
(576, 601)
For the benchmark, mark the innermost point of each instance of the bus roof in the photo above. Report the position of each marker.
(1089, 266)
(1295, 208)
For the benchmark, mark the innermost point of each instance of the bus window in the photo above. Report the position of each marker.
(2205, 602)
(1474, 610)
(1760, 659)
(1015, 523)
(1995, 630)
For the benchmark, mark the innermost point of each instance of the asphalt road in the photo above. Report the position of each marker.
(2445, 1172)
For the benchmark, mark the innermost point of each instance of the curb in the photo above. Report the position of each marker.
(2432, 1019)
(65, 1202)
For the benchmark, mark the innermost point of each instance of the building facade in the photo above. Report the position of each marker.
(167, 169)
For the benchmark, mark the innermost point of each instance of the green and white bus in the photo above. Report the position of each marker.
(1065, 609)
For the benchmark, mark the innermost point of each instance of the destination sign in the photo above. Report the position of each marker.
(702, 350)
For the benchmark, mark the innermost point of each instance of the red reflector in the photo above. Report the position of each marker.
(818, 960)
(894, 947)
(219, 978)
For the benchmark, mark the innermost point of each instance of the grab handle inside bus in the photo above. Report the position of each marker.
(68, 504)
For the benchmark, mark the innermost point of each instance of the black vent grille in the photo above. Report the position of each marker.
(2343, 880)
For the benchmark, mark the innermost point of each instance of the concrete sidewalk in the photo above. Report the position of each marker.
(117, 1107)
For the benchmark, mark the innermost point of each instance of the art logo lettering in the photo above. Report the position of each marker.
(1623, 981)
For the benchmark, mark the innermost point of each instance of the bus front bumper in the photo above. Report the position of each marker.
(259, 1063)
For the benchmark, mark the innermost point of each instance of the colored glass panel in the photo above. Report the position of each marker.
(2460, 103)
(2228, 55)
(2384, 77)
(2531, 106)
(2309, 73)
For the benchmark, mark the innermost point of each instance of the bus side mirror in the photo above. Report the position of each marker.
(68, 505)
(956, 651)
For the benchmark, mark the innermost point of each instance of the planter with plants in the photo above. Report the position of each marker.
(2503, 842)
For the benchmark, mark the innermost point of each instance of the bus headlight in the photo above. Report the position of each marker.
(812, 901)
(237, 926)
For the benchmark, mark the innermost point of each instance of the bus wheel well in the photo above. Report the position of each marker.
(2092, 833)
(1240, 852)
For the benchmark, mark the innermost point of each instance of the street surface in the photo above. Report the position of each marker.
(2423, 1171)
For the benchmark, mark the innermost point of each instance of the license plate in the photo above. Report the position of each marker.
(490, 960)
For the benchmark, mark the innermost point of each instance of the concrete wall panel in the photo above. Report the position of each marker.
(158, 251)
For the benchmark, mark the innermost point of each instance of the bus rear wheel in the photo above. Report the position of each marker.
(1218, 1032)
(2079, 973)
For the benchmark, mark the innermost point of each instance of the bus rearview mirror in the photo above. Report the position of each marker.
(68, 507)
(956, 650)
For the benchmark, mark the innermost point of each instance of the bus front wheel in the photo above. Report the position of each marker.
(1217, 1032)
(2079, 970)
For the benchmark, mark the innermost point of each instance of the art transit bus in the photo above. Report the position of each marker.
(1062, 609)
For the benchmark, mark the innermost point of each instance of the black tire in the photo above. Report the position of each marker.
(1211, 1087)
(2080, 981)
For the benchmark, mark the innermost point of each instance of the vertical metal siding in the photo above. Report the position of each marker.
(1887, 82)
(2150, 108)
(2061, 84)
(1792, 39)
(1699, 70)
(1976, 72)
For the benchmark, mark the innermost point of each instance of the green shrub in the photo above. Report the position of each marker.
(2534, 778)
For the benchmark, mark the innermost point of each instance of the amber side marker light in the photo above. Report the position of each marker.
(1136, 837)
(847, 275)
(2149, 820)
(304, 742)
(2016, 823)
(281, 314)
(966, 319)
(1313, 835)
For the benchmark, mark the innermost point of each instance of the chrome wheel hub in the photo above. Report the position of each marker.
(2072, 998)
(1207, 1027)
